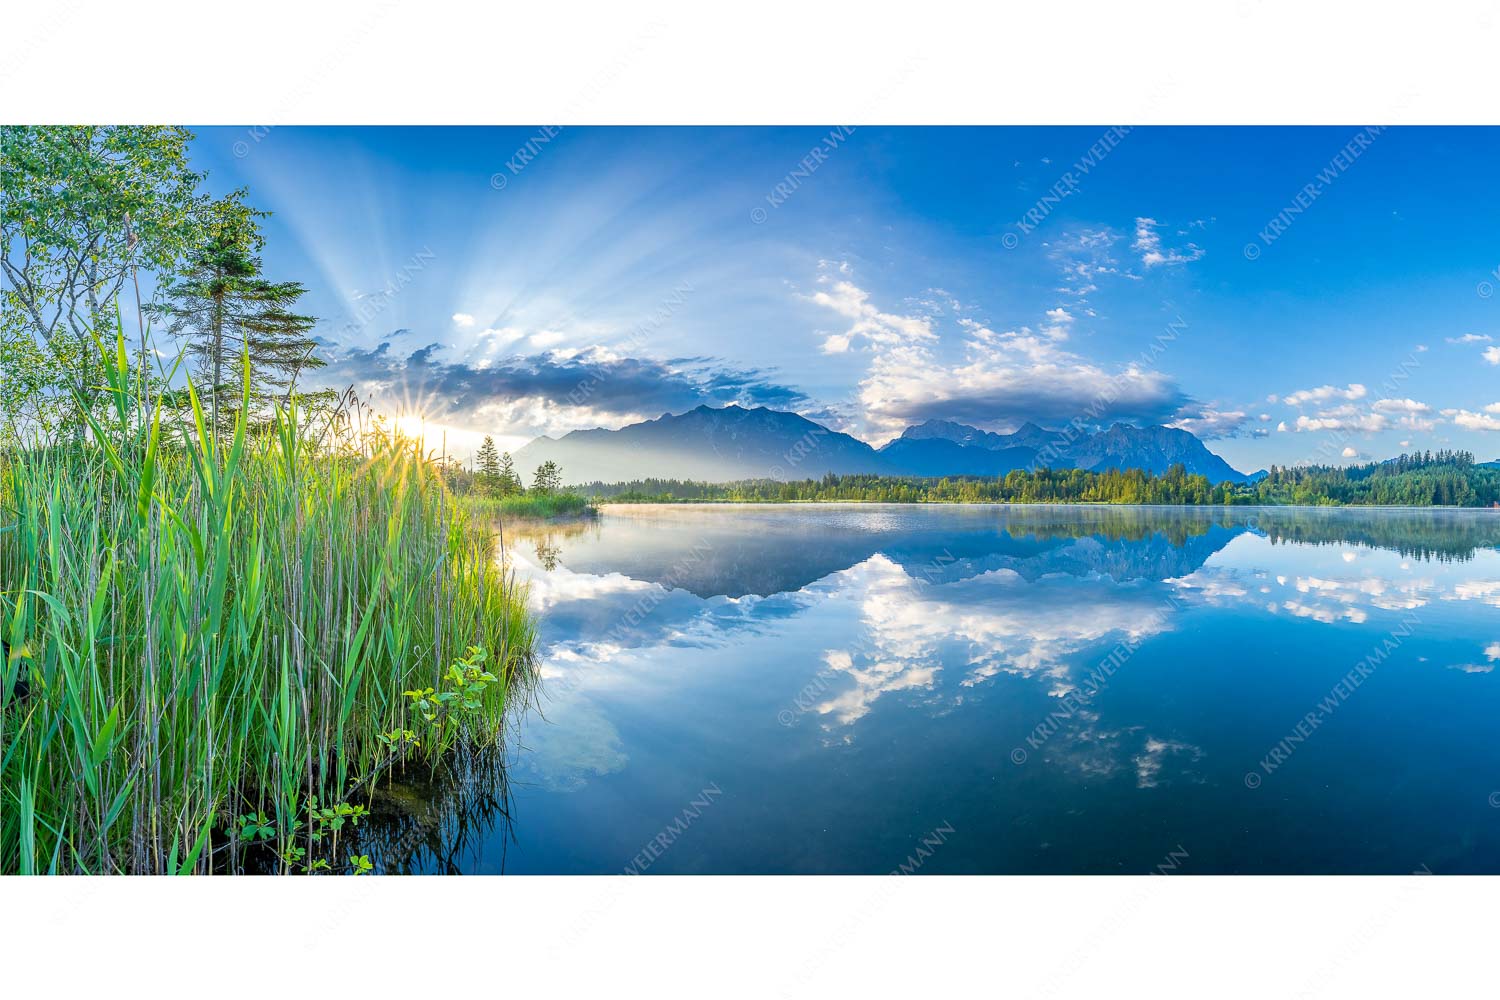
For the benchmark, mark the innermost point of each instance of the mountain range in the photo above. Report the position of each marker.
(731, 442)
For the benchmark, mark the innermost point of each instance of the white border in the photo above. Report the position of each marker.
(1127, 936)
(773, 61)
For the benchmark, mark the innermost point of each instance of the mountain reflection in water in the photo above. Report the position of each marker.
(1071, 689)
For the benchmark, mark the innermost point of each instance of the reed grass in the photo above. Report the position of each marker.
(203, 625)
(532, 504)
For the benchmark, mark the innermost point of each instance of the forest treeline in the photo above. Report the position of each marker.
(1443, 478)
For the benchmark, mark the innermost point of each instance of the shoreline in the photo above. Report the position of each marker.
(601, 505)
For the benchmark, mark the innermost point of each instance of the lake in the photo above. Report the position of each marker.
(994, 689)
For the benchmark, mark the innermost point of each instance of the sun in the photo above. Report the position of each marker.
(413, 425)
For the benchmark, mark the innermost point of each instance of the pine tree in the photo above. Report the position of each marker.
(510, 483)
(226, 309)
(487, 474)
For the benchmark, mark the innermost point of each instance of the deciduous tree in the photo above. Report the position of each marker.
(548, 477)
(81, 209)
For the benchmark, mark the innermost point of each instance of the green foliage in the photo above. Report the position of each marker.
(325, 821)
(1426, 479)
(1042, 486)
(398, 739)
(82, 207)
(487, 468)
(215, 630)
(495, 474)
(449, 712)
(1443, 479)
(541, 506)
(509, 483)
(255, 826)
(225, 308)
(319, 822)
(548, 477)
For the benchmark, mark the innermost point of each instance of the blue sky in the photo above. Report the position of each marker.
(1290, 294)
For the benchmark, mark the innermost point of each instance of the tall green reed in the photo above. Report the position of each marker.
(201, 624)
(541, 506)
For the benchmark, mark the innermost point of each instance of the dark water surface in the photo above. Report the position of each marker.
(975, 689)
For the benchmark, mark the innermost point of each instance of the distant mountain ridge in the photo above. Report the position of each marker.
(714, 445)
(1028, 435)
(732, 442)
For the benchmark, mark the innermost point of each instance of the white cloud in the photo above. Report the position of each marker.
(1349, 452)
(1324, 393)
(1470, 338)
(1001, 380)
(1400, 406)
(1409, 413)
(1472, 421)
(1343, 418)
(1380, 415)
(491, 341)
(1059, 322)
(1208, 423)
(463, 320)
(875, 328)
(1492, 355)
(1148, 244)
(1084, 256)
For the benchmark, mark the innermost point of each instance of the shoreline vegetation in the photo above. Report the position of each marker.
(492, 489)
(533, 507)
(229, 604)
(215, 646)
(1441, 479)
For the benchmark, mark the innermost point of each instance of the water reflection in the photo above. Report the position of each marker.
(1069, 680)
(439, 820)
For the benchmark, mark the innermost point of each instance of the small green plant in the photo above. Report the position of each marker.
(293, 858)
(329, 820)
(359, 864)
(465, 684)
(255, 826)
(426, 703)
(469, 680)
(397, 739)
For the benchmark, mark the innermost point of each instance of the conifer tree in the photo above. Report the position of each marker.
(487, 469)
(225, 308)
(510, 483)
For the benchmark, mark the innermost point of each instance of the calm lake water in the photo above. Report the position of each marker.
(977, 689)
